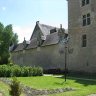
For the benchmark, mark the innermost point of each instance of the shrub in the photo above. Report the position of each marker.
(30, 71)
(15, 89)
(5, 71)
(25, 71)
(37, 71)
(8, 71)
(2, 71)
(11, 71)
(16, 71)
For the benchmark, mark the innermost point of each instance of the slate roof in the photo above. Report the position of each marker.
(46, 28)
(33, 44)
(50, 38)
(19, 47)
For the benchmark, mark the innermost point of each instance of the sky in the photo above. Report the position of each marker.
(23, 14)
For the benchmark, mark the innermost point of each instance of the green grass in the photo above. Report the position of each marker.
(4, 88)
(44, 82)
(83, 87)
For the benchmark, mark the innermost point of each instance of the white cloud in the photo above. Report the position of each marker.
(23, 31)
(3, 8)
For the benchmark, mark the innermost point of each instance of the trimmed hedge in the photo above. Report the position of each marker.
(17, 71)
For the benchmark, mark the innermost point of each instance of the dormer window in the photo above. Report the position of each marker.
(85, 2)
(53, 30)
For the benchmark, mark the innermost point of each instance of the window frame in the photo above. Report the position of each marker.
(86, 19)
(84, 40)
(85, 2)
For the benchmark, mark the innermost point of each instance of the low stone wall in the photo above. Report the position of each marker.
(34, 92)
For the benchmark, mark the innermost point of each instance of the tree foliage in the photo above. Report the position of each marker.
(7, 38)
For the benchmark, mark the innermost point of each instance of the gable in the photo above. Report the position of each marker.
(36, 33)
(43, 30)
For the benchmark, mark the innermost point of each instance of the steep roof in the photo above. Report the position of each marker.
(46, 28)
(33, 44)
(51, 39)
(19, 47)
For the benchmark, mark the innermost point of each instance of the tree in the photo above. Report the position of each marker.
(7, 38)
(15, 39)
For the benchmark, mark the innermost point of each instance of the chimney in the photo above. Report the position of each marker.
(24, 43)
(37, 22)
(60, 25)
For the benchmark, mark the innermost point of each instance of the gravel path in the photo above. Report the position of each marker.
(92, 95)
(1, 94)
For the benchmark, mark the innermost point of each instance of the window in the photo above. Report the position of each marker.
(84, 40)
(85, 2)
(86, 19)
(52, 30)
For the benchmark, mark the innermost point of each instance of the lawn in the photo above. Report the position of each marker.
(4, 88)
(83, 87)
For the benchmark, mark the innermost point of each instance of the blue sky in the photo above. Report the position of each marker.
(23, 14)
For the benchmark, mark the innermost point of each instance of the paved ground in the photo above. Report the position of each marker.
(83, 79)
(1, 94)
(92, 95)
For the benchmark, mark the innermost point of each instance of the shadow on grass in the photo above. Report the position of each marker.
(83, 81)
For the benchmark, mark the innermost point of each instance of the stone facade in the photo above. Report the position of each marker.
(46, 48)
(82, 59)
(47, 45)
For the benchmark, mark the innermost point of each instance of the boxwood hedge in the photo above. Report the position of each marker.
(17, 71)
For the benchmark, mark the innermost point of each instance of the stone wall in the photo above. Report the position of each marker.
(48, 57)
(82, 59)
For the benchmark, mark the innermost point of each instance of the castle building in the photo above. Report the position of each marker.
(45, 49)
(82, 34)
